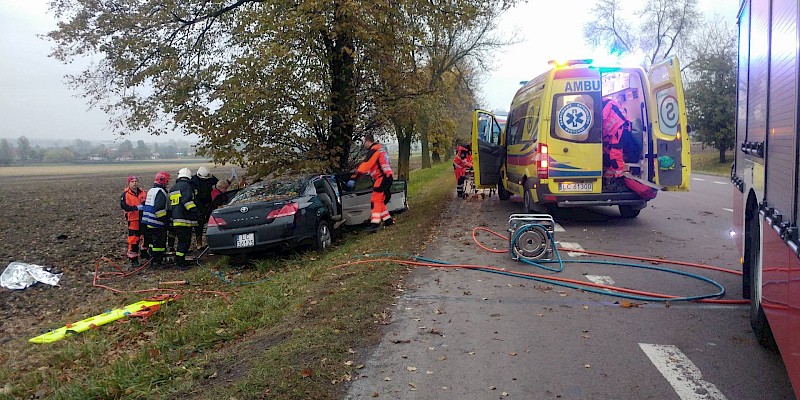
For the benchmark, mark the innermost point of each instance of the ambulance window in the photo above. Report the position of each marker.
(488, 129)
(576, 117)
(516, 124)
(532, 120)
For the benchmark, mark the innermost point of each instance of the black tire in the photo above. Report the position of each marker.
(324, 236)
(502, 193)
(629, 211)
(758, 319)
(527, 200)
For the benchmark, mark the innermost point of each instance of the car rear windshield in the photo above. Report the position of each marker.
(271, 190)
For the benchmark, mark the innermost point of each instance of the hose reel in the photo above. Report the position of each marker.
(531, 236)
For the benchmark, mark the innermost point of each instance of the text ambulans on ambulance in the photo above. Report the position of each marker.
(551, 150)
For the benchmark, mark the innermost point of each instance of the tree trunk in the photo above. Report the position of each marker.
(404, 145)
(343, 100)
(721, 154)
(426, 153)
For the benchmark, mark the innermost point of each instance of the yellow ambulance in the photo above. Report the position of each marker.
(551, 149)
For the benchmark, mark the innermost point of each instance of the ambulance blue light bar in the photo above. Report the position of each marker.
(569, 63)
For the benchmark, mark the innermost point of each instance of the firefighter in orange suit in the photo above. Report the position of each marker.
(461, 162)
(376, 164)
(614, 123)
(131, 202)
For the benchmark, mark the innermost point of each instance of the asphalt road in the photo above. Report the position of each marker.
(465, 334)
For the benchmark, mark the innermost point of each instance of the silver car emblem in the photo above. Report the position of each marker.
(244, 210)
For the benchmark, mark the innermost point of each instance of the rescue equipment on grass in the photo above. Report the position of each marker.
(143, 309)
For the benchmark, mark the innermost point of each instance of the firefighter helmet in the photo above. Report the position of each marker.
(162, 178)
(202, 172)
(184, 173)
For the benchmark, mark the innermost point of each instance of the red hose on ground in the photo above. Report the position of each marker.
(120, 273)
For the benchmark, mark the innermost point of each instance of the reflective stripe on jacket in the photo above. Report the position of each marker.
(156, 207)
(129, 201)
(181, 199)
(376, 164)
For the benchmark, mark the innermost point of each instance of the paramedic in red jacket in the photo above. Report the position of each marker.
(461, 162)
(131, 202)
(614, 123)
(376, 164)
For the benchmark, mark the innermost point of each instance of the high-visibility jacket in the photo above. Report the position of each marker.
(376, 164)
(462, 161)
(155, 211)
(614, 122)
(181, 200)
(130, 202)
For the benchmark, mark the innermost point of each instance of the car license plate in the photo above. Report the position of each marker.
(575, 186)
(246, 240)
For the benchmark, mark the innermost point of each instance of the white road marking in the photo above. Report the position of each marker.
(571, 246)
(558, 228)
(728, 209)
(698, 179)
(601, 279)
(721, 183)
(681, 373)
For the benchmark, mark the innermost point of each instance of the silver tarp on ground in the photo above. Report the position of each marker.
(20, 275)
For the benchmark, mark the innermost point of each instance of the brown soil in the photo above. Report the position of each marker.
(66, 223)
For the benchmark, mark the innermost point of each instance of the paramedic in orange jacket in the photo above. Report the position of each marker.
(614, 123)
(376, 164)
(461, 162)
(131, 202)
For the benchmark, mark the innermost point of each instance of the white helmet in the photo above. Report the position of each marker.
(185, 173)
(202, 172)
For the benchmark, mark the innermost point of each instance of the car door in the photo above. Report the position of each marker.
(669, 135)
(488, 152)
(356, 208)
(356, 205)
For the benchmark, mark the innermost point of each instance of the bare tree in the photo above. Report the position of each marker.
(662, 27)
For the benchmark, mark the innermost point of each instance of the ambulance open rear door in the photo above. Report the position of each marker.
(487, 150)
(670, 163)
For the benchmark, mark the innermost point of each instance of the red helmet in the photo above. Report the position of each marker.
(162, 178)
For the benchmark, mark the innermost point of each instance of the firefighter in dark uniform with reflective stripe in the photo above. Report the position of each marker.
(184, 215)
(131, 202)
(155, 217)
(376, 164)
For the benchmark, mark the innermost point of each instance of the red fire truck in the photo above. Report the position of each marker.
(765, 174)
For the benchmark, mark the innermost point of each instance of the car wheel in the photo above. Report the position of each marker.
(502, 193)
(324, 236)
(629, 211)
(527, 200)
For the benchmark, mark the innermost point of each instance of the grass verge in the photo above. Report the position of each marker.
(706, 161)
(299, 334)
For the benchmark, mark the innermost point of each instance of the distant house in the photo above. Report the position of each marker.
(96, 157)
(155, 156)
(126, 156)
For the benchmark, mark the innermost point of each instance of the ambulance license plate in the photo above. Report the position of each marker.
(575, 186)
(246, 240)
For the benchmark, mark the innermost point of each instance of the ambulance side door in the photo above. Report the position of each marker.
(487, 150)
(668, 130)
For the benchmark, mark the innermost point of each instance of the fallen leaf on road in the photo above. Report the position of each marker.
(388, 378)
(348, 363)
(587, 365)
(411, 369)
(512, 354)
(306, 373)
(442, 358)
(492, 387)
(504, 394)
(628, 304)
(401, 341)
(541, 315)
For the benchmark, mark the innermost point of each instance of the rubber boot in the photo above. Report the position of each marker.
(180, 263)
(373, 228)
(388, 222)
(134, 263)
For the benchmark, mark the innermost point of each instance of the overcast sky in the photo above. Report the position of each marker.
(35, 102)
